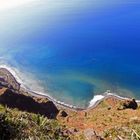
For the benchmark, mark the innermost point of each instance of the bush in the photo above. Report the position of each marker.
(15, 124)
(8, 129)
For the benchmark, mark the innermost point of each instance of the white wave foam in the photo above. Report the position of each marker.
(20, 77)
(27, 80)
(12, 71)
(95, 99)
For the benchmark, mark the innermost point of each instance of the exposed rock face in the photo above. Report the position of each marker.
(8, 80)
(27, 103)
(130, 103)
(12, 96)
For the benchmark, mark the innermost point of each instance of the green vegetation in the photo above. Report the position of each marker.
(103, 104)
(128, 131)
(15, 124)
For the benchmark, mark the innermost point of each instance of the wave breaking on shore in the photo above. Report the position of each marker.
(21, 80)
(93, 102)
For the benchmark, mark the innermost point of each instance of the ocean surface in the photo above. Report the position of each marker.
(74, 50)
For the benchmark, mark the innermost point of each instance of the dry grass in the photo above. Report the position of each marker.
(15, 124)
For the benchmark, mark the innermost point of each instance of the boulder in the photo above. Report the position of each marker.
(129, 104)
(63, 114)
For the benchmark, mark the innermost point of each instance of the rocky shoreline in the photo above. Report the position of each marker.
(9, 81)
(92, 122)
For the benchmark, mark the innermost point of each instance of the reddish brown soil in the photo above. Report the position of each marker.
(104, 116)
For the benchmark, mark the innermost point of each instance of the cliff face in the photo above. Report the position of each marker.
(23, 116)
(26, 103)
(12, 96)
(8, 80)
(17, 125)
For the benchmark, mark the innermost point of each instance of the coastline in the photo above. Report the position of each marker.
(93, 103)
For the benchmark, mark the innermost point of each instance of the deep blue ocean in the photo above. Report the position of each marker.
(75, 50)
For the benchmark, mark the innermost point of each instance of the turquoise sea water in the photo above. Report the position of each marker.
(74, 50)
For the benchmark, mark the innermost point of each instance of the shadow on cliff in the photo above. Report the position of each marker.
(27, 103)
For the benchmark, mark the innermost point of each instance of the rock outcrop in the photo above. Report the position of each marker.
(128, 104)
(12, 96)
(63, 114)
(8, 80)
(27, 103)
